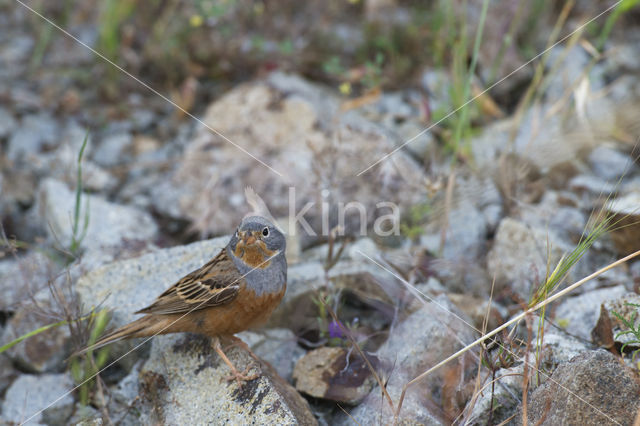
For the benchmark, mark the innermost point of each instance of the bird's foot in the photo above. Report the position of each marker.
(235, 374)
(240, 378)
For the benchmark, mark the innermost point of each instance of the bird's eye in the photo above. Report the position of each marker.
(265, 232)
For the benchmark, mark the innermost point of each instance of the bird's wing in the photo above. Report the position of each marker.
(215, 283)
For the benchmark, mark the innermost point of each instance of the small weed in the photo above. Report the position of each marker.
(633, 329)
(85, 368)
(623, 7)
(413, 225)
(113, 14)
(78, 234)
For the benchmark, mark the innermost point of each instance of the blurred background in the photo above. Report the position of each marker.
(497, 129)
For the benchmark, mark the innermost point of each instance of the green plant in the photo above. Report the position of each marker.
(112, 15)
(413, 224)
(86, 367)
(31, 334)
(633, 329)
(78, 234)
(463, 125)
(622, 7)
(372, 77)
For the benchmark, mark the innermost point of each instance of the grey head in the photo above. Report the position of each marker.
(257, 249)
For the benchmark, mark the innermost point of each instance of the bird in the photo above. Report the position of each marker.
(236, 290)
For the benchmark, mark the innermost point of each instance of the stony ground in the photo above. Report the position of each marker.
(481, 228)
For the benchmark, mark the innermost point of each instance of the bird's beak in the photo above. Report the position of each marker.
(248, 238)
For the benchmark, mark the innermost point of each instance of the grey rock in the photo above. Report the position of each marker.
(44, 352)
(85, 415)
(567, 221)
(7, 123)
(62, 165)
(109, 224)
(420, 341)
(591, 184)
(29, 394)
(23, 276)
(297, 309)
(16, 51)
(7, 372)
(591, 389)
(185, 382)
(503, 398)
(625, 213)
(466, 233)
(34, 133)
(277, 346)
(126, 286)
(335, 149)
(580, 313)
(570, 65)
(437, 83)
(627, 307)
(113, 150)
(142, 118)
(520, 255)
(610, 164)
(124, 403)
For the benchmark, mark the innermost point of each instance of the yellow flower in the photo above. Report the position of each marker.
(345, 88)
(196, 20)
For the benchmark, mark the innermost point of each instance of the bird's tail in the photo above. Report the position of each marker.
(145, 326)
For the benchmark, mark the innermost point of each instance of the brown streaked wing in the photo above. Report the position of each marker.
(215, 283)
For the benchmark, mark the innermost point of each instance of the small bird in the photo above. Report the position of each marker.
(236, 290)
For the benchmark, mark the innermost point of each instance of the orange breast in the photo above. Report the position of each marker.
(246, 311)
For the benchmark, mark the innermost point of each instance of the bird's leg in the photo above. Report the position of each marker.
(236, 341)
(235, 374)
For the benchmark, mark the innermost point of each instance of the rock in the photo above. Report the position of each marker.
(126, 286)
(185, 382)
(85, 415)
(466, 233)
(610, 164)
(23, 276)
(520, 255)
(7, 123)
(14, 53)
(113, 150)
(277, 346)
(568, 222)
(478, 309)
(579, 314)
(364, 279)
(7, 372)
(591, 389)
(500, 401)
(62, 165)
(44, 352)
(336, 147)
(124, 403)
(417, 343)
(625, 215)
(570, 65)
(29, 394)
(628, 307)
(437, 84)
(591, 184)
(34, 134)
(334, 374)
(109, 224)
(401, 113)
